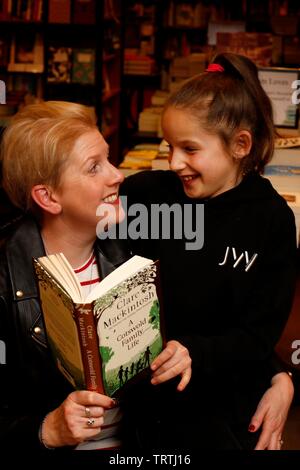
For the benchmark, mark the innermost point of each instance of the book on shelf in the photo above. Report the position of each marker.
(83, 70)
(59, 64)
(287, 142)
(26, 53)
(215, 27)
(59, 11)
(283, 171)
(150, 119)
(256, 46)
(21, 10)
(140, 157)
(105, 341)
(161, 161)
(3, 52)
(84, 11)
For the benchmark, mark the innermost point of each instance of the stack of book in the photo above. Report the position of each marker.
(135, 64)
(149, 120)
(284, 173)
(256, 46)
(139, 158)
(71, 65)
(159, 97)
(183, 68)
(21, 10)
(161, 161)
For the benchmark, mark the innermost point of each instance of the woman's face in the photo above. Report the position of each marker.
(89, 182)
(197, 157)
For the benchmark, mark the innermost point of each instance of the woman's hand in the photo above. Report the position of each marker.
(172, 361)
(77, 419)
(272, 412)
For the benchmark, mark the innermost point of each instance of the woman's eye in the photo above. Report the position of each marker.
(94, 168)
(190, 149)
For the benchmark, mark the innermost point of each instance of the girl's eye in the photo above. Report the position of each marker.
(190, 149)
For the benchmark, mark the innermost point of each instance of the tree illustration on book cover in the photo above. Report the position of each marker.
(128, 325)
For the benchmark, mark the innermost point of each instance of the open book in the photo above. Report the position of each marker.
(106, 340)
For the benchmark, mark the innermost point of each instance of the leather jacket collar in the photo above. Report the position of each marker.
(26, 243)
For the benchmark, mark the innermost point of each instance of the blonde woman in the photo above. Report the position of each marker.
(56, 169)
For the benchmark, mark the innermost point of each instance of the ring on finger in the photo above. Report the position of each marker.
(87, 412)
(90, 421)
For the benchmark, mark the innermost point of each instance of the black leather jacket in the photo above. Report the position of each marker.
(31, 386)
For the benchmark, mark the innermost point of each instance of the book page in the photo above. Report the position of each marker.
(59, 267)
(61, 328)
(126, 269)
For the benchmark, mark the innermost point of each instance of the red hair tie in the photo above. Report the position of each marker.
(214, 68)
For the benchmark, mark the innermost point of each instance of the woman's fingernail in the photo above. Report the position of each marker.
(251, 428)
(114, 402)
(153, 366)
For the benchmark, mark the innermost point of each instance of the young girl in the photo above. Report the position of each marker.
(228, 301)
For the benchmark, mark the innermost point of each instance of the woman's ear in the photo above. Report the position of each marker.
(242, 144)
(45, 198)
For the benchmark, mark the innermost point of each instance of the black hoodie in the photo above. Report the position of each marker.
(227, 302)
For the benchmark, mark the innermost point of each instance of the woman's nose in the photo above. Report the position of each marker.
(116, 176)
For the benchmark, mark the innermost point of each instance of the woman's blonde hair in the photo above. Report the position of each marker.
(36, 146)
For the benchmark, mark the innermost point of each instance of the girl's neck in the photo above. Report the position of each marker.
(75, 248)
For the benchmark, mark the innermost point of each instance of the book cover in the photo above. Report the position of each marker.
(284, 170)
(26, 53)
(84, 11)
(59, 11)
(107, 341)
(59, 64)
(83, 70)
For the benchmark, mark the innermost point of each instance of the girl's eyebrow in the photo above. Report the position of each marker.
(189, 142)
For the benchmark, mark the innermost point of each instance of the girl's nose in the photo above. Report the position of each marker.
(177, 162)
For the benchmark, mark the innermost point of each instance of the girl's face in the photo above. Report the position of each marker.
(89, 182)
(197, 157)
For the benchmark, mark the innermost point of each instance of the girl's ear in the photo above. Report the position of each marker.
(242, 144)
(44, 197)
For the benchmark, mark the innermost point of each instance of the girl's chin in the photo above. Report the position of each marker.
(190, 192)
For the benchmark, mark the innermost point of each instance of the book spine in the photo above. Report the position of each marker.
(88, 338)
(161, 303)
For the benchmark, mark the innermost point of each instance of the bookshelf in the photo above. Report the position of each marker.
(142, 64)
(73, 52)
(184, 38)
